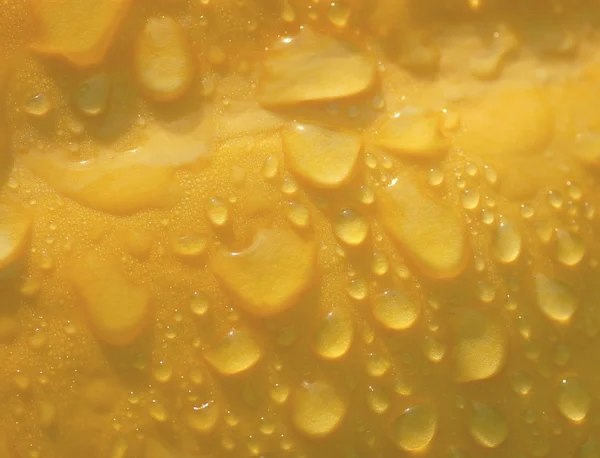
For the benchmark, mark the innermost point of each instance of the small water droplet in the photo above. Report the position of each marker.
(378, 400)
(521, 383)
(414, 429)
(379, 264)
(199, 304)
(317, 409)
(189, 246)
(271, 167)
(395, 310)
(434, 349)
(570, 249)
(555, 199)
(92, 95)
(490, 174)
(338, 13)
(573, 400)
(163, 371)
(470, 199)
(334, 335)
(435, 177)
(280, 393)
(203, 417)
(527, 211)
(357, 289)
(485, 292)
(555, 298)
(370, 161)
(217, 211)
(366, 195)
(297, 214)
(351, 227)
(507, 242)
(38, 106)
(377, 365)
(487, 425)
(157, 412)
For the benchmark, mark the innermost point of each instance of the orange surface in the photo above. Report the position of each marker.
(298, 228)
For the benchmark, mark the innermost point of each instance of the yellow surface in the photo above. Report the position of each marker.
(299, 228)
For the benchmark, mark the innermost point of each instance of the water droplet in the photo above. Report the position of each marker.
(157, 412)
(38, 106)
(570, 249)
(507, 242)
(334, 334)
(189, 246)
(378, 400)
(562, 354)
(289, 186)
(163, 372)
(555, 298)
(379, 264)
(217, 211)
(203, 417)
(92, 95)
(271, 167)
(527, 211)
(366, 195)
(357, 289)
(280, 393)
(377, 365)
(434, 349)
(338, 13)
(297, 214)
(436, 177)
(487, 425)
(287, 14)
(236, 352)
(351, 227)
(370, 161)
(487, 216)
(395, 310)
(485, 292)
(573, 400)
(589, 449)
(317, 408)
(490, 174)
(521, 383)
(470, 199)
(199, 304)
(414, 429)
(555, 199)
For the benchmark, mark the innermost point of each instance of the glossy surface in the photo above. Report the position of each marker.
(298, 228)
